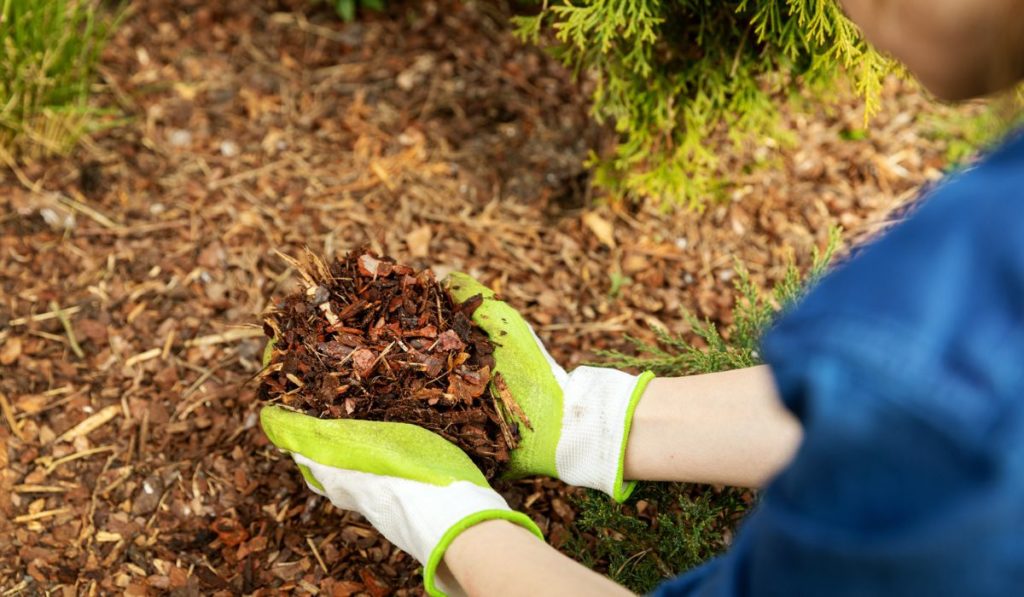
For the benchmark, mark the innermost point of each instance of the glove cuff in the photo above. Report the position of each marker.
(432, 563)
(597, 414)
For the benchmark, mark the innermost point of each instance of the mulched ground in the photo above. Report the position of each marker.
(132, 275)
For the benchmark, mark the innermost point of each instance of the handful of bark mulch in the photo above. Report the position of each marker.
(372, 339)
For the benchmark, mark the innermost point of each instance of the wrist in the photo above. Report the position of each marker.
(458, 544)
(476, 537)
(471, 555)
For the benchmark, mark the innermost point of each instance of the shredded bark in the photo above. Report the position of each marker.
(371, 339)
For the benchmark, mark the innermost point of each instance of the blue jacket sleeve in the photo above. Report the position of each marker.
(906, 369)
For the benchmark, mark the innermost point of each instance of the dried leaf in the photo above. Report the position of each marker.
(601, 228)
(10, 350)
(418, 241)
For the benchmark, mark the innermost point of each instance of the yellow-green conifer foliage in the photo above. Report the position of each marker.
(672, 72)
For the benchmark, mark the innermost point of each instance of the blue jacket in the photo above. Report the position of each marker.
(906, 368)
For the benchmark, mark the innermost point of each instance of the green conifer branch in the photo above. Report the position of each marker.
(671, 73)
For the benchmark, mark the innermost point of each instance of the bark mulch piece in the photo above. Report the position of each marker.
(372, 339)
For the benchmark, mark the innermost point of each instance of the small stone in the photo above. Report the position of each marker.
(148, 496)
(180, 138)
(59, 221)
(229, 149)
(319, 295)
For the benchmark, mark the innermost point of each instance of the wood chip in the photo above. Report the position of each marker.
(90, 424)
(509, 401)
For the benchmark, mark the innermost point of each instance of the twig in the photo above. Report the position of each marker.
(77, 456)
(142, 357)
(70, 331)
(89, 212)
(144, 434)
(382, 354)
(89, 425)
(41, 515)
(133, 230)
(11, 163)
(186, 407)
(300, 22)
(586, 327)
(203, 377)
(225, 337)
(316, 554)
(43, 316)
(16, 589)
(48, 336)
(166, 352)
(9, 415)
(243, 176)
(30, 488)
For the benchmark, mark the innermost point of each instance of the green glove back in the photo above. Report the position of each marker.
(580, 421)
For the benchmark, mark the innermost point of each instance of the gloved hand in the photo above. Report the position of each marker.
(580, 420)
(415, 487)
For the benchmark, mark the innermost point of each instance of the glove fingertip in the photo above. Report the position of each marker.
(462, 286)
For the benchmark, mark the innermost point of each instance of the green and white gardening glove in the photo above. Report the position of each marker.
(580, 420)
(415, 487)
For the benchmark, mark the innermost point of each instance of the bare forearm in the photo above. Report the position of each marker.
(728, 428)
(497, 558)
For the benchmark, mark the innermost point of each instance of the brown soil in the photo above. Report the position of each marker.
(133, 273)
(371, 339)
